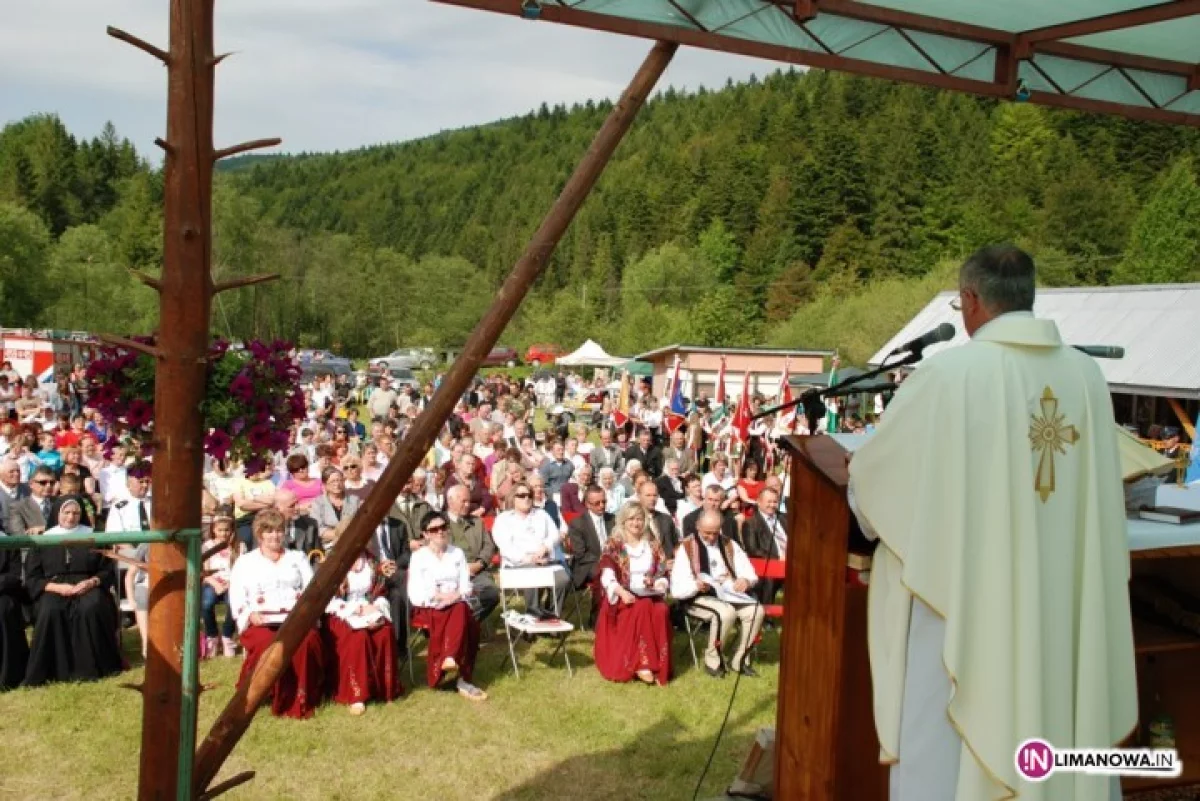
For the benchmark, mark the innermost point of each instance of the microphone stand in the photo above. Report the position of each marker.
(814, 410)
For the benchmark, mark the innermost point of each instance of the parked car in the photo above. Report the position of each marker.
(537, 355)
(501, 356)
(411, 358)
(322, 362)
(403, 377)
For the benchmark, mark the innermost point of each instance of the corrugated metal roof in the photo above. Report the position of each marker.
(1158, 325)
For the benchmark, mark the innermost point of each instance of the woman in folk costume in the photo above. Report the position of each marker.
(76, 624)
(633, 628)
(362, 649)
(439, 589)
(264, 586)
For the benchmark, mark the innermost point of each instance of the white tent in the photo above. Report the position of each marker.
(590, 354)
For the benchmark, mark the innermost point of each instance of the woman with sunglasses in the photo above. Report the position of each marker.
(439, 586)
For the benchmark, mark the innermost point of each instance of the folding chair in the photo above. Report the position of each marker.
(410, 636)
(513, 579)
(772, 569)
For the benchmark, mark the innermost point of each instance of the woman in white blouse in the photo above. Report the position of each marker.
(439, 586)
(362, 647)
(264, 586)
(633, 628)
(529, 537)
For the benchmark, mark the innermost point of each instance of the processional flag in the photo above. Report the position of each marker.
(676, 415)
(741, 417)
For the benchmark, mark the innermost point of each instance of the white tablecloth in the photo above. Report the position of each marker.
(1147, 534)
(1186, 497)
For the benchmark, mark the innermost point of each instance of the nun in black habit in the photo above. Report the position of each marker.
(75, 630)
(14, 650)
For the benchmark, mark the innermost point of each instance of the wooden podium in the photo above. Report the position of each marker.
(825, 743)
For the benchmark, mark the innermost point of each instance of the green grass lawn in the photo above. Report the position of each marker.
(543, 736)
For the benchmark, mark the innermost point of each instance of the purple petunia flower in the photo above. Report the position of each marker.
(237, 425)
(242, 387)
(217, 444)
(259, 437)
(139, 413)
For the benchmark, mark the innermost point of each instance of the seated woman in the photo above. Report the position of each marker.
(75, 623)
(332, 506)
(264, 585)
(306, 487)
(216, 584)
(362, 648)
(633, 628)
(439, 586)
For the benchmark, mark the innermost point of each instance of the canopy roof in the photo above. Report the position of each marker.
(1154, 323)
(1128, 57)
(590, 354)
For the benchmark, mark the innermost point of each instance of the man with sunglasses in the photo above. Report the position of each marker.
(528, 537)
(30, 514)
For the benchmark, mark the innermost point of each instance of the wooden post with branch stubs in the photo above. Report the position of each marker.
(181, 350)
(356, 533)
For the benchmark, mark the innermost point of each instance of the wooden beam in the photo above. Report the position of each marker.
(1147, 15)
(140, 44)
(130, 344)
(185, 304)
(148, 280)
(821, 60)
(1193, 84)
(255, 144)
(1187, 424)
(804, 10)
(745, 47)
(236, 716)
(247, 280)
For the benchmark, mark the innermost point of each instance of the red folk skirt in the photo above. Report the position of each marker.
(300, 688)
(632, 638)
(453, 634)
(361, 663)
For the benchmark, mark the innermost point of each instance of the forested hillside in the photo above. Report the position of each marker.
(807, 209)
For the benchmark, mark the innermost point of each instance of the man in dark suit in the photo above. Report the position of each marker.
(468, 533)
(409, 506)
(661, 524)
(765, 536)
(11, 489)
(300, 531)
(648, 456)
(587, 535)
(390, 545)
(714, 498)
(31, 515)
(670, 485)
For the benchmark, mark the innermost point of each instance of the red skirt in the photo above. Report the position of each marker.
(632, 638)
(361, 663)
(453, 634)
(300, 688)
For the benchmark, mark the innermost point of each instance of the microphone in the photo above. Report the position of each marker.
(943, 333)
(1102, 351)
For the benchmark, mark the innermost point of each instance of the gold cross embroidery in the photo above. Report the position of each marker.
(1049, 433)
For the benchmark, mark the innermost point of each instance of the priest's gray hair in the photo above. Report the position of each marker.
(1003, 277)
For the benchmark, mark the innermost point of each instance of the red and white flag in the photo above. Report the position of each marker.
(787, 418)
(741, 417)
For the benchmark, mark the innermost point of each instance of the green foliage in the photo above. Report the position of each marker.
(1165, 244)
(746, 215)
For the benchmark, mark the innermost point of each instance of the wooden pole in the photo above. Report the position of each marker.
(185, 288)
(236, 716)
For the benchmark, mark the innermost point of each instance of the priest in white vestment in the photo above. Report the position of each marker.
(998, 605)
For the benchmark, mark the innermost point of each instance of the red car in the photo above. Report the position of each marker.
(502, 357)
(537, 355)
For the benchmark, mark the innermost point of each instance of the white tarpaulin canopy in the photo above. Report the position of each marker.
(590, 354)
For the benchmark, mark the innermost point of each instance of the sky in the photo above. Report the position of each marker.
(321, 74)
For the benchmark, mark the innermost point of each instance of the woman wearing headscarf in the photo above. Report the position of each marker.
(362, 647)
(75, 622)
(264, 585)
(633, 628)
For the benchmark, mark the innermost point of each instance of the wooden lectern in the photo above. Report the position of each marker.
(825, 743)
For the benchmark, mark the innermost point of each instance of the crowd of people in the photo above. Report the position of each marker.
(652, 524)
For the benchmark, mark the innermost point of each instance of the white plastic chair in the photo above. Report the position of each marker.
(515, 579)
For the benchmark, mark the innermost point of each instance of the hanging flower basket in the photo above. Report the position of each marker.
(252, 398)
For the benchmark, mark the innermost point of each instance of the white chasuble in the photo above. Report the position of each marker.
(993, 482)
